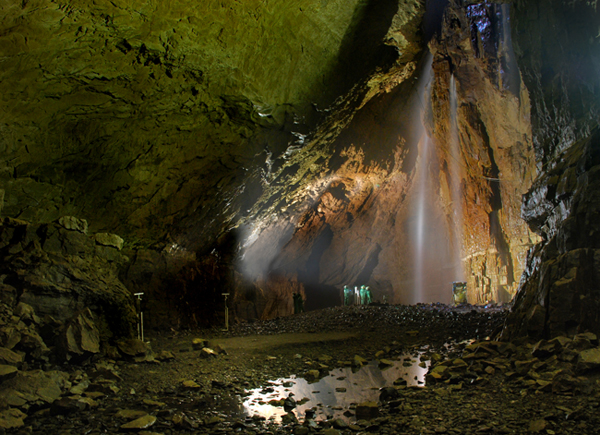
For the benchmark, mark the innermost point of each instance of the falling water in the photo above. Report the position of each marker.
(423, 237)
(508, 71)
(434, 241)
(455, 184)
(423, 189)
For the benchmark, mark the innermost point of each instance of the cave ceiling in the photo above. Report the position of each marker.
(157, 120)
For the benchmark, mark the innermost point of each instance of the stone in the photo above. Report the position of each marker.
(190, 384)
(32, 343)
(339, 423)
(107, 239)
(10, 337)
(156, 403)
(9, 357)
(80, 388)
(103, 386)
(74, 224)
(132, 347)
(140, 423)
(36, 385)
(165, 355)
(359, 361)
(68, 405)
(130, 414)
(11, 418)
(206, 352)
(312, 375)
(537, 425)
(367, 411)
(80, 336)
(7, 371)
(199, 343)
(26, 312)
(388, 393)
(589, 359)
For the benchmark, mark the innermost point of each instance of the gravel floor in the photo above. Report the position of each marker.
(184, 388)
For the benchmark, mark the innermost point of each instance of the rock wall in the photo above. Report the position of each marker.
(492, 163)
(557, 45)
(69, 282)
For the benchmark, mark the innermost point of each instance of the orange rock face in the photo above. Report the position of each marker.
(411, 196)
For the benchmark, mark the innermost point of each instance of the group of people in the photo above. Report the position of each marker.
(358, 296)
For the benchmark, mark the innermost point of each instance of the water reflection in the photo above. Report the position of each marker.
(334, 395)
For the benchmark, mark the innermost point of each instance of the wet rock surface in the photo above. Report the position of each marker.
(475, 384)
(559, 289)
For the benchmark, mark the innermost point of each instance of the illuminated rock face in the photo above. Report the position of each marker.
(560, 289)
(358, 221)
(496, 162)
(313, 139)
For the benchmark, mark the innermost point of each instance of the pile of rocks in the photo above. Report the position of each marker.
(433, 320)
(559, 365)
(30, 381)
(60, 300)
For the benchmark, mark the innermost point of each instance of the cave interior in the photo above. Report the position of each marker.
(213, 164)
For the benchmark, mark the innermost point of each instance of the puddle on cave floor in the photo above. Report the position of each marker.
(335, 394)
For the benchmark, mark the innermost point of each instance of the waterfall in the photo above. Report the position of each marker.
(423, 192)
(508, 71)
(434, 238)
(428, 236)
(455, 184)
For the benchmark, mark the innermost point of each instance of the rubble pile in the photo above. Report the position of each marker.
(559, 365)
(463, 322)
(60, 302)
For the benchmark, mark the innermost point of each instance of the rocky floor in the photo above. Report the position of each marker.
(196, 382)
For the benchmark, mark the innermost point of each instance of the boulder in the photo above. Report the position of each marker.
(26, 313)
(207, 353)
(367, 411)
(80, 336)
(199, 343)
(34, 386)
(74, 224)
(107, 239)
(68, 405)
(589, 359)
(7, 371)
(62, 274)
(130, 414)
(140, 423)
(9, 357)
(11, 418)
(359, 361)
(133, 347)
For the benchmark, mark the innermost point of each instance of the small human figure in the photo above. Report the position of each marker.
(368, 296)
(356, 296)
(298, 303)
(347, 296)
(363, 295)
